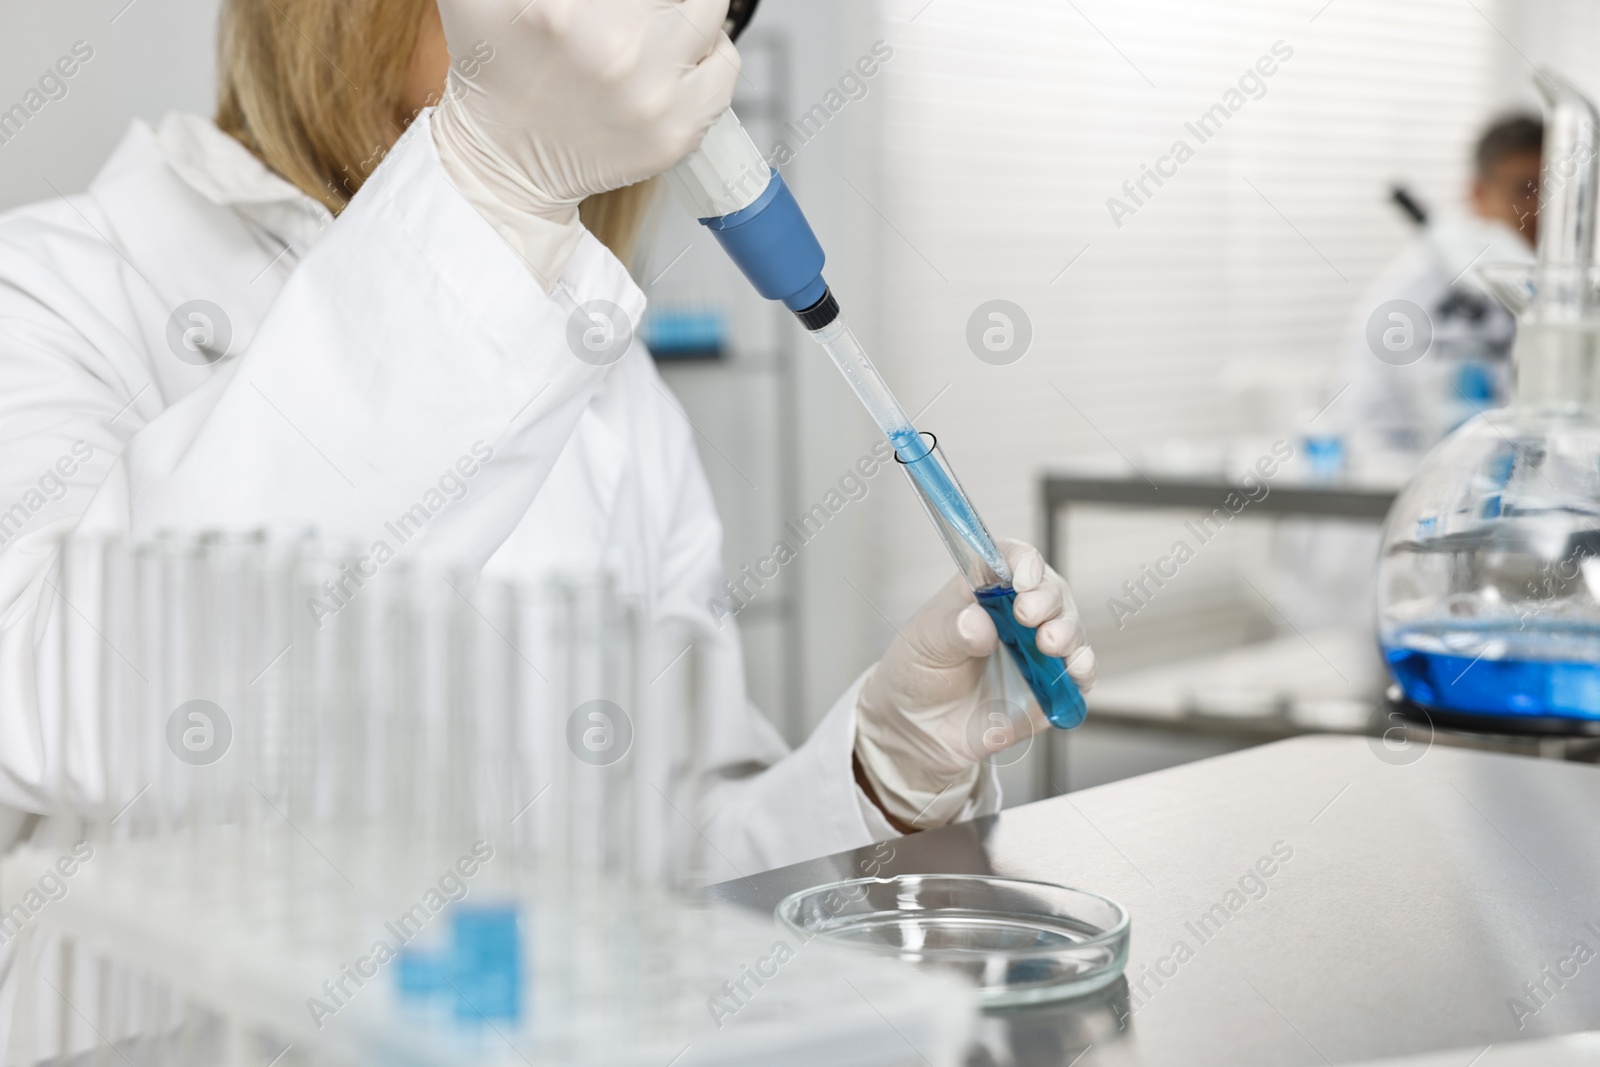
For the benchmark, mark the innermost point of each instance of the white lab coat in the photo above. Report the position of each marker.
(1389, 416)
(367, 355)
(1407, 409)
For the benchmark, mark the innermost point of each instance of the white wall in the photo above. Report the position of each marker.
(149, 57)
(1564, 34)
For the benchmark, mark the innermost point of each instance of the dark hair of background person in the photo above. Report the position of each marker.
(1509, 136)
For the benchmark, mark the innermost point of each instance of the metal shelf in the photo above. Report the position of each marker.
(1060, 489)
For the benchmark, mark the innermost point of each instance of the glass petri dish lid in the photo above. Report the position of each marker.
(1019, 941)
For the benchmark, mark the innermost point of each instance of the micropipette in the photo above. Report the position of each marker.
(731, 189)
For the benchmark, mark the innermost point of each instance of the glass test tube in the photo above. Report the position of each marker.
(1058, 695)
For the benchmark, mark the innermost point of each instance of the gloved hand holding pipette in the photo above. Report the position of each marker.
(728, 185)
(582, 98)
(526, 166)
(925, 711)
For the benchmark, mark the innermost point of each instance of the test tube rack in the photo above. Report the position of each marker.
(276, 756)
(156, 973)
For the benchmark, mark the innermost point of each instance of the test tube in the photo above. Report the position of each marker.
(527, 734)
(490, 679)
(94, 672)
(231, 616)
(461, 712)
(273, 686)
(936, 486)
(315, 667)
(382, 677)
(121, 762)
(170, 600)
(79, 660)
(396, 716)
(546, 692)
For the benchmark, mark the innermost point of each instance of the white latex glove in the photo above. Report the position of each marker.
(580, 97)
(924, 718)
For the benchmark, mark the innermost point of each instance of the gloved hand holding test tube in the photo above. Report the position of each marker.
(745, 203)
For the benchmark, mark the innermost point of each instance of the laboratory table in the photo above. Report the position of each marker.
(1412, 893)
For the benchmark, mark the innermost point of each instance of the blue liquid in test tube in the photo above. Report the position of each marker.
(1058, 695)
(475, 975)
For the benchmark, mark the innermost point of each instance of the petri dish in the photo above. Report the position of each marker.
(1019, 941)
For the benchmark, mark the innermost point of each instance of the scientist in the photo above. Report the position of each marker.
(1412, 379)
(365, 269)
(1427, 348)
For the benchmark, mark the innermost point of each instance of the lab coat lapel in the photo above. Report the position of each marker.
(189, 247)
(198, 223)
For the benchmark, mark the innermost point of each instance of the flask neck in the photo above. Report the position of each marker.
(1558, 367)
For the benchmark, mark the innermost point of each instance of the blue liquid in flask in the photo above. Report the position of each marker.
(1535, 671)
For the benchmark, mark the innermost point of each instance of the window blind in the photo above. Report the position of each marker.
(1210, 307)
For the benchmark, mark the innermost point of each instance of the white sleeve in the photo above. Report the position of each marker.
(410, 337)
(765, 806)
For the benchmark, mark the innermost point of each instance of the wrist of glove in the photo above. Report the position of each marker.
(932, 709)
(543, 232)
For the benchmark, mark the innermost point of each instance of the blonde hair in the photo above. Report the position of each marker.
(315, 89)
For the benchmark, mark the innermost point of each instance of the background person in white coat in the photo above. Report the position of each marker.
(1428, 346)
(1457, 360)
(306, 312)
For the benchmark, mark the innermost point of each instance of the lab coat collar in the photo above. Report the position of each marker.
(217, 166)
(202, 219)
(223, 171)
(226, 174)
